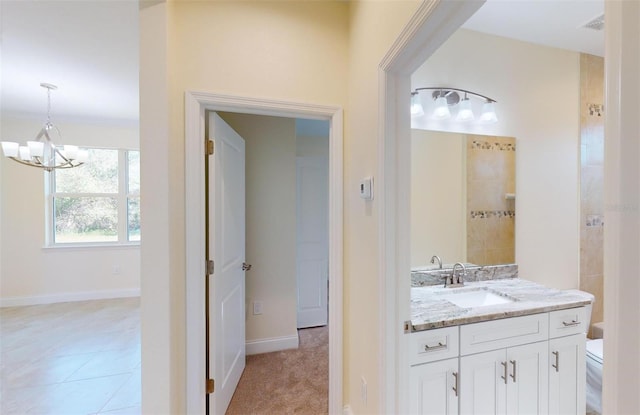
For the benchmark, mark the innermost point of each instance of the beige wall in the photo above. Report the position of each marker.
(438, 197)
(318, 52)
(312, 146)
(32, 273)
(524, 78)
(279, 50)
(374, 26)
(270, 215)
(592, 180)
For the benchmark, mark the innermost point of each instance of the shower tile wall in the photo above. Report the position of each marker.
(591, 182)
(490, 215)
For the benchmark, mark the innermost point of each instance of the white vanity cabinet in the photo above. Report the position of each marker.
(503, 366)
(532, 364)
(511, 381)
(434, 372)
(567, 367)
(434, 388)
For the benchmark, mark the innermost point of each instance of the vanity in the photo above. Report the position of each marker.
(497, 346)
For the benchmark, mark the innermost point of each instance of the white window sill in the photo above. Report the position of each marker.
(90, 246)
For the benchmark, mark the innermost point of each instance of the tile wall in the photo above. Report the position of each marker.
(591, 179)
(490, 213)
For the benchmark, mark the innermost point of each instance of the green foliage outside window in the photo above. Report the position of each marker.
(89, 201)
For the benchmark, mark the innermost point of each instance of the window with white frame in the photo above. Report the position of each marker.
(98, 202)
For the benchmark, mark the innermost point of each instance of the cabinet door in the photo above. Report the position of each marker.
(434, 388)
(567, 375)
(483, 380)
(527, 388)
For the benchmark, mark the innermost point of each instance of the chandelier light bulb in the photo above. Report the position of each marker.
(24, 153)
(10, 149)
(465, 113)
(441, 112)
(489, 113)
(416, 106)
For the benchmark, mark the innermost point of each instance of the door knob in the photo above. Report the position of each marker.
(245, 266)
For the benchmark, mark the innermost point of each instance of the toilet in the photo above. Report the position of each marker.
(594, 375)
(594, 362)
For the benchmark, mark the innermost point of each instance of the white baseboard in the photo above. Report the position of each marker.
(347, 410)
(68, 297)
(273, 344)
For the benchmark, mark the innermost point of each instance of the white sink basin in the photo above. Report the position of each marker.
(475, 298)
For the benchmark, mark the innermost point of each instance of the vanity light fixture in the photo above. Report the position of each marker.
(43, 152)
(448, 98)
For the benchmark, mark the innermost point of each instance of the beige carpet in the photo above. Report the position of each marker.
(286, 382)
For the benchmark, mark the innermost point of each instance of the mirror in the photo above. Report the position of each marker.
(462, 199)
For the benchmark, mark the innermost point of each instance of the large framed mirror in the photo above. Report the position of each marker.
(463, 199)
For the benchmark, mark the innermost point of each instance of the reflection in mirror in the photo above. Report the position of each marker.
(462, 199)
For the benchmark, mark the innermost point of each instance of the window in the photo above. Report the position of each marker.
(97, 203)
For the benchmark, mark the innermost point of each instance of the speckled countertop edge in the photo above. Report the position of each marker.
(429, 310)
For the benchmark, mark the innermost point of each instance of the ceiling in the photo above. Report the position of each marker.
(556, 23)
(89, 49)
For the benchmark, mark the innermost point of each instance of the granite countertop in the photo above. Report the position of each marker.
(429, 310)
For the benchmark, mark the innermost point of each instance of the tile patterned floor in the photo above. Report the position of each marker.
(71, 358)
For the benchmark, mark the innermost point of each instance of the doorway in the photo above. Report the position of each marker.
(286, 277)
(196, 105)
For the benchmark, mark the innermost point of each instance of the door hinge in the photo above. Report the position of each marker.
(210, 267)
(211, 385)
(209, 147)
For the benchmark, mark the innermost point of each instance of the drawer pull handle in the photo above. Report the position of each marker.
(504, 364)
(557, 365)
(571, 323)
(428, 348)
(513, 362)
(455, 387)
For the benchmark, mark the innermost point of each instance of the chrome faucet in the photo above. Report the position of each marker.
(460, 280)
(433, 261)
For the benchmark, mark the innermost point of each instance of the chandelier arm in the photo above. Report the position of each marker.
(452, 89)
(67, 165)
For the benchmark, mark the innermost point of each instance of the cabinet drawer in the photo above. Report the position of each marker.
(498, 334)
(568, 322)
(432, 345)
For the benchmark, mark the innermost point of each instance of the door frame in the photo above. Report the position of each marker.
(430, 26)
(196, 105)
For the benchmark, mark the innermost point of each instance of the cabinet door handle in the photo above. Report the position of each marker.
(557, 365)
(513, 362)
(455, 386)
(439, 346)
(504, 364)
(571, 323)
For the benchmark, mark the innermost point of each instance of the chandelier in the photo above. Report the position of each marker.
(43, 152)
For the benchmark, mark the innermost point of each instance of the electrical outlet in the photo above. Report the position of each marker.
(116, 270)
(363, 390)
(257, 308)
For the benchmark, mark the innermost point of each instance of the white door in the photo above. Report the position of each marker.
(434, 388)
(567, 375)
(227, 249)
(312, 240)
(483, 383)
(527, 387)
